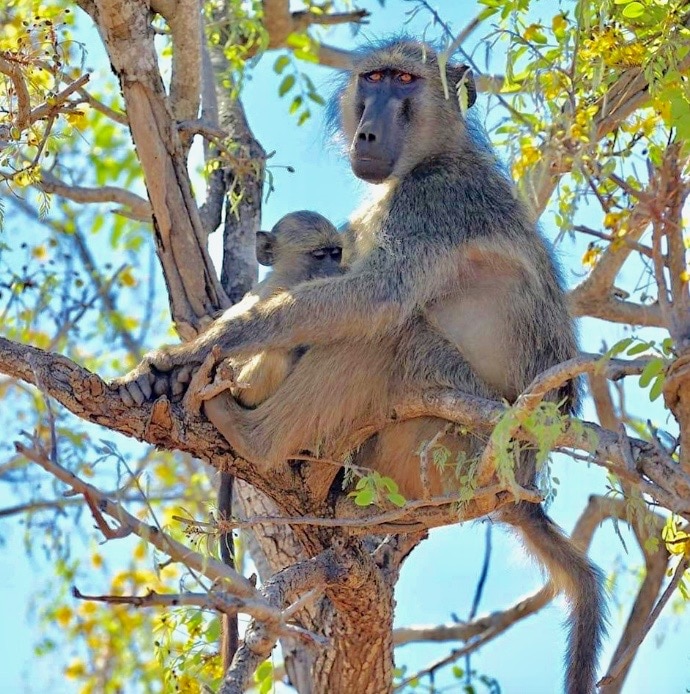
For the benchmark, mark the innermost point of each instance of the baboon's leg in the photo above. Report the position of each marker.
(324, 398)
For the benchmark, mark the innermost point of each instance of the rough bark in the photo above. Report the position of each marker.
(193, 288)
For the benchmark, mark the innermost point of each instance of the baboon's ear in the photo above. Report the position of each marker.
(462, 84)
(265, 248)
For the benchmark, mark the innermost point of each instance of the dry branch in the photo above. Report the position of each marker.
(193, 287)
(206, 566)
(136, 207)
(14, 72)
(166, 425)
(213, 600)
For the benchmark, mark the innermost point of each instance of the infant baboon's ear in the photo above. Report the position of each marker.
(461, 81)
(265, 248)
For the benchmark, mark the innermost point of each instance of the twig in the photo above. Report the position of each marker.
(207, 566)
(138, 207)
(622, 660)
(13, 71)
(47, 109)
(372, 522)
(452, 657)
(258, 608)
(117, 116)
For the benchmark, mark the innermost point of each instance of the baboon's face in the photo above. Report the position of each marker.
(325, 261)
(384, 104)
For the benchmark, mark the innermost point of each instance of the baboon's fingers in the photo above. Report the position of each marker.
(180, 380)
(131, 394)
(160, 386)
(126, 398)
(144, 383)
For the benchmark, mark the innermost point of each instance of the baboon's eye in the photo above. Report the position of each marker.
(406, 78)
(374, 76)
(336, 253)
(319, 253)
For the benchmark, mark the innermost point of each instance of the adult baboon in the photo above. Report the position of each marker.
(452, 287)
(301, 246)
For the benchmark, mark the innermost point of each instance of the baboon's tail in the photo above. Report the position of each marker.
(572, 573)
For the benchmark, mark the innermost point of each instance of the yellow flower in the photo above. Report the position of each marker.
(75, 669)
(677, 541)
(77, 118)
(96, 560)
(611, 219)
(187, 685)
(534, 33)
(40, 253)
(86, 609)
(127, 278)
(559, 24)
(140, 551)
(591, 255)
(63, 615)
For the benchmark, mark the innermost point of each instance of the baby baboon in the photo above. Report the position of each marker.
(302, 246)
(452, 286)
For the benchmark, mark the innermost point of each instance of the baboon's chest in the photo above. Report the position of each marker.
(478, 322)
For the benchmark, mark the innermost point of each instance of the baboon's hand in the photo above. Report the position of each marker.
(162, 372)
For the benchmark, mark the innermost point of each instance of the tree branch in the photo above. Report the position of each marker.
(204, 565)
(14, 72)
(193, 287)
(168, 426)
(137, 207)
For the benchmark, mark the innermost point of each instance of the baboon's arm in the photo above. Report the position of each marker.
(375, 298)
(359, 305)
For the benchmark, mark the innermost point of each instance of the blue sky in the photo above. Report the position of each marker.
(440, 577)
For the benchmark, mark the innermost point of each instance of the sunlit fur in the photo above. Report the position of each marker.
(453, 287)
(293, 239)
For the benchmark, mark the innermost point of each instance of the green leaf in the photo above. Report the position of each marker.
(485, 14)
(281, 63)
(213, 632)
(286, 85)
(306, 55)
(619, 347)
(264, 671)
(389, 484)
(683, 590)
(316, 98)
(458, 671)
(266, 686)
(638, 348)
(361, 483)
(440, 455)
(396, 499)
(296, 103)
(650, 371)
(298, 41)
(306, 115)
(633, 10)
(365, 497)
(657, 388)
